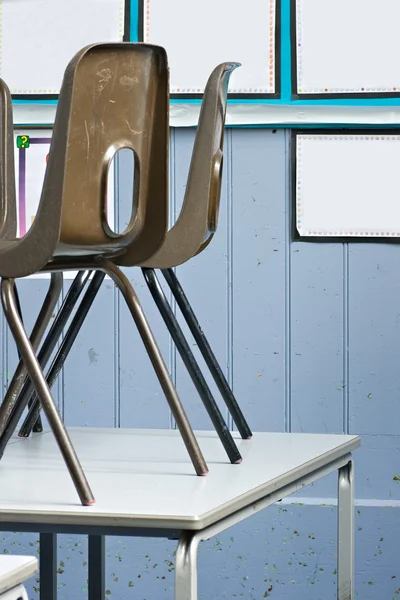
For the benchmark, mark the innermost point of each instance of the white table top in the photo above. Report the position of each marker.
(15, 570)
(144, 478)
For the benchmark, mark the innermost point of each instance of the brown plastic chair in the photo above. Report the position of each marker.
(8, 231)
(113, 96)
(190, 235)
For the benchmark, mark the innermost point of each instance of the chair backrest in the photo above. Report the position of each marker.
(8, 207)
(198, 218)
(113, 96)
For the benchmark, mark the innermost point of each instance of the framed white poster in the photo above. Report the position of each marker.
(200, 34)
(31, 149)
(346, 184)
(38, 38)
(345, 48)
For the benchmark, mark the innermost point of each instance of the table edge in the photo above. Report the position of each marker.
(195, 522)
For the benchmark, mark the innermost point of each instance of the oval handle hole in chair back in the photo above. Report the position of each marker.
(122, 192)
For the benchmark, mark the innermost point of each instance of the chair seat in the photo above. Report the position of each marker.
(67, 251)
(67, 255)
(73, 250)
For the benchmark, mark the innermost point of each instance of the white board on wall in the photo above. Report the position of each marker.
(200, 34)
(31, 149)
(348, 185)
(347, 46)
(38, 38)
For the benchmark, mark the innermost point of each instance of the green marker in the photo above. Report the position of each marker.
(23, 141)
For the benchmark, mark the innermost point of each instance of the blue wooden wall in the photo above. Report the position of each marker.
(309, 335)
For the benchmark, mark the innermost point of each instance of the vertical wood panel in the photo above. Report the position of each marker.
(318, 382)
(374, 338)
(257, 262)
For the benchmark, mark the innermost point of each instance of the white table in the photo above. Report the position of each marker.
(145, 485)
(14, 570)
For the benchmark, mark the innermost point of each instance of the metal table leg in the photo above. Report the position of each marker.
(186, 554)
(48, 566)
(186, 566)
(345, 584)
(97, 571)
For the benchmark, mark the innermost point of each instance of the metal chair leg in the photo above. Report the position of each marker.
(44, 355)
(207, 353)
(11, 398)
(38, 427)
(158, 363)
(191, 365)
(63, 350)
(43, 391)
(159, 366)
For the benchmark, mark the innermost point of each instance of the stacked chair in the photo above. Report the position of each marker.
(113, 96)
(8, 231)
